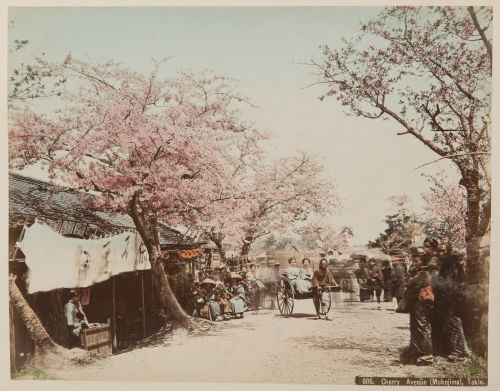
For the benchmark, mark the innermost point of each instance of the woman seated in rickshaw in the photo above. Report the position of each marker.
(237, 292)
(292, 272)
(303, 282)
(322, 278)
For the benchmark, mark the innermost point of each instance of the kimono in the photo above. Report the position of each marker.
(419, 301)
(222, 297)
(254, 279)
(447, 330)
(293, 273)
(398, 282)
(210, 297)
(387, 276)
(303, 282)
(238, 298)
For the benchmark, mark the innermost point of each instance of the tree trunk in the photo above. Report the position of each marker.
(475, 318)
(473, 234)
(245, 248)
(41, 339)
(146, 223)
(49, 308)
(217, 238)
(222, 251)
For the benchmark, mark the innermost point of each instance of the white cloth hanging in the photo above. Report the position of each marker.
(55, 261)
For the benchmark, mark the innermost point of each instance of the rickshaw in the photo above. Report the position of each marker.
(286, 296)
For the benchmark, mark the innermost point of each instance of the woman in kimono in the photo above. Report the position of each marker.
(419, 301)
(303, 283)
(210, 296)
(253, 276)
(222, 296)
(237, 292)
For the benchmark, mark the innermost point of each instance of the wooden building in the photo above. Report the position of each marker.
(126, 300)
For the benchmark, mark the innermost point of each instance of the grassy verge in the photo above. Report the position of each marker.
(31, 373)
(475, 367)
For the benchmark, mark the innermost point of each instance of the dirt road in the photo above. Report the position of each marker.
(266, 348)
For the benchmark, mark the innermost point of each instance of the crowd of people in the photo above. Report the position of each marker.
(373, 280)
(223, 295)
(430, 291)
(433, 297)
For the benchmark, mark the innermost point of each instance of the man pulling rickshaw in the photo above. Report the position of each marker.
(322, 284)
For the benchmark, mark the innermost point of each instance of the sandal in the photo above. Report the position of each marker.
(425, 360)
(460, 359)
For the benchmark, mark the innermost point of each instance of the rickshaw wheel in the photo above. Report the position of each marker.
(325, 308)
(285, 299)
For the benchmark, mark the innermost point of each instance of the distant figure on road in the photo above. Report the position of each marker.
(387, 276)
(362, 277)
(398, 280)
(374, 281)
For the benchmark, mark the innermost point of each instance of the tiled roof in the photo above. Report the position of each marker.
(30, 198)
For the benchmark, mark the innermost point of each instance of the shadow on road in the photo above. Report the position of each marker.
(297, 315)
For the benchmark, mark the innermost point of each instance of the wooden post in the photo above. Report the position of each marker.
(13, 367)
(113, 316)
(143, 307)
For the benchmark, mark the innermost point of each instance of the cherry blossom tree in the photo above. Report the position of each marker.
(282, 193)
(446, 207)
(153, 147)
(429, 70)
(404, 226)
(225, 218)
(320, 234)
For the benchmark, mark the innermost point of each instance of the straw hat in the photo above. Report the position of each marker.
(208, 281)
(236, 276)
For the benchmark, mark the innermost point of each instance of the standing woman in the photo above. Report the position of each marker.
(74, 316)
(431, 252)
(419, 302)
(321, 278)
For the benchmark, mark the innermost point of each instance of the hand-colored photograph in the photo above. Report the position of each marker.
(258, 195)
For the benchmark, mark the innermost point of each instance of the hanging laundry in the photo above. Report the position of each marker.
(55, 261)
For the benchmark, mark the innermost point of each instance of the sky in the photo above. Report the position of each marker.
(264, 49)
